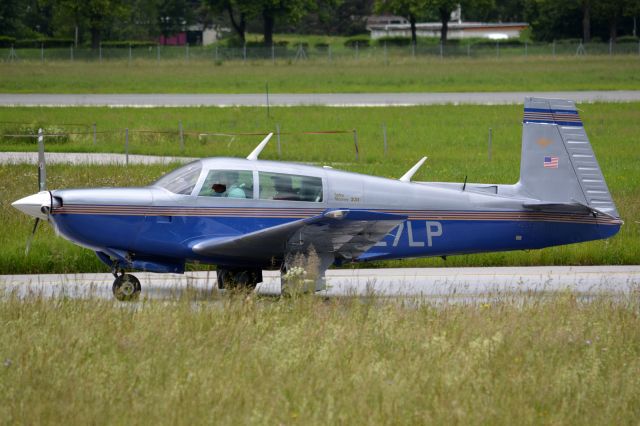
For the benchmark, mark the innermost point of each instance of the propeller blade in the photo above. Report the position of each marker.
(42, 170)
(35, 226)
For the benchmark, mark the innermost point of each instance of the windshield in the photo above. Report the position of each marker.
(182, 180)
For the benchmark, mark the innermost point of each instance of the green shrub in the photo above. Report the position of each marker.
(394, 41)
(6, 41)
(322, 46)
(127, 43)
(627, 39)
(44, 41)
(19, 133)
(361, 41)
(504, 43)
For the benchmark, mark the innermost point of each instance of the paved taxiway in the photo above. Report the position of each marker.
(299, 99)
(449, 284)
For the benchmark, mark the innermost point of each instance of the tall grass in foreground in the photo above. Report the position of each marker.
(245, 360)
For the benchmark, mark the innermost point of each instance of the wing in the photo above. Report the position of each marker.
(345, 233)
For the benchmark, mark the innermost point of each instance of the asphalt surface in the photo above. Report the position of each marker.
(440, 284)
(299, 99)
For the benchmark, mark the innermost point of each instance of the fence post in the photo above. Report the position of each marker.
(329, 53)
(181, 136)
(273, 53)
(441, 49)
(278, 138)
(526, 48)
(384, 135)
(216, 53)
(355, 143)
(554, 48)
(244, 52)
(94, 134)
(610, 46)
(129, 53)
(126, 146)
(71, 52)
(100, 52)
(490, 142)
(468, 50)
(42, 52)
(266, 86)
(413, 49)
(497, 49)
(357, 50)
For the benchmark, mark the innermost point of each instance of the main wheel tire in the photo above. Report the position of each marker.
(238, 278)
(126, 287)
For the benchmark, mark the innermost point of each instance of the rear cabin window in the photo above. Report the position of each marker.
(279, 186)
(228, 183)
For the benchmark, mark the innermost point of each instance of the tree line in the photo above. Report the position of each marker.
(90, 22)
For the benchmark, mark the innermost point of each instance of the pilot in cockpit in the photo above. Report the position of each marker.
(228, 185)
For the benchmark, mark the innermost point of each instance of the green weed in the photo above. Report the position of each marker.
(246, 360)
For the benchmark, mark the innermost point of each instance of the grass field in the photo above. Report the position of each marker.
(454, 138)
(245, 360)
(543, 73)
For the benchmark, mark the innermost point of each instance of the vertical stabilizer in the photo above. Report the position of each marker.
(558, 164)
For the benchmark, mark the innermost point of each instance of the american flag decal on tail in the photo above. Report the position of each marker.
(550, 162)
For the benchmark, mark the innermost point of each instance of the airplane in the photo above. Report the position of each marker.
(246, 215)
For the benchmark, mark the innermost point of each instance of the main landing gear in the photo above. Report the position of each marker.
(232, 278)
(126, 287)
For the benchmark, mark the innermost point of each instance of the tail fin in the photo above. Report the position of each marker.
(558, 164)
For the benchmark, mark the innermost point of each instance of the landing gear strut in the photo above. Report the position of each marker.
(126, 287)
(229, 278)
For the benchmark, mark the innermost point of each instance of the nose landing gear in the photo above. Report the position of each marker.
(126, 287)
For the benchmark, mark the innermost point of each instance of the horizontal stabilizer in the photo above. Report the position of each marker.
(574, 207)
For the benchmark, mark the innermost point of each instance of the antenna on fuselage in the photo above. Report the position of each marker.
(254, 154)
(412, 171)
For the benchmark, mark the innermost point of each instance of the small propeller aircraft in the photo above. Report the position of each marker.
(246, 215)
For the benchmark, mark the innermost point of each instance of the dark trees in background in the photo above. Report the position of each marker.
(412, 10)
(238, 12)
(287, 10)
(91, 21)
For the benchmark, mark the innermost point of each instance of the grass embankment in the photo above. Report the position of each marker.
(454, 138)
(244, 360)
(545, 73)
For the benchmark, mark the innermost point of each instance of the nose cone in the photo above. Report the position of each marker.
(34, 204)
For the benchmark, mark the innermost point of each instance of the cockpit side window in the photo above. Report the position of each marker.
(182, 180)
(228, 183)
(280, 186)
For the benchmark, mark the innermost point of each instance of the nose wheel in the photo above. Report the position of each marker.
(126, 287)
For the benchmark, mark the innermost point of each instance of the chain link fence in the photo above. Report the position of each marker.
(321, 52)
